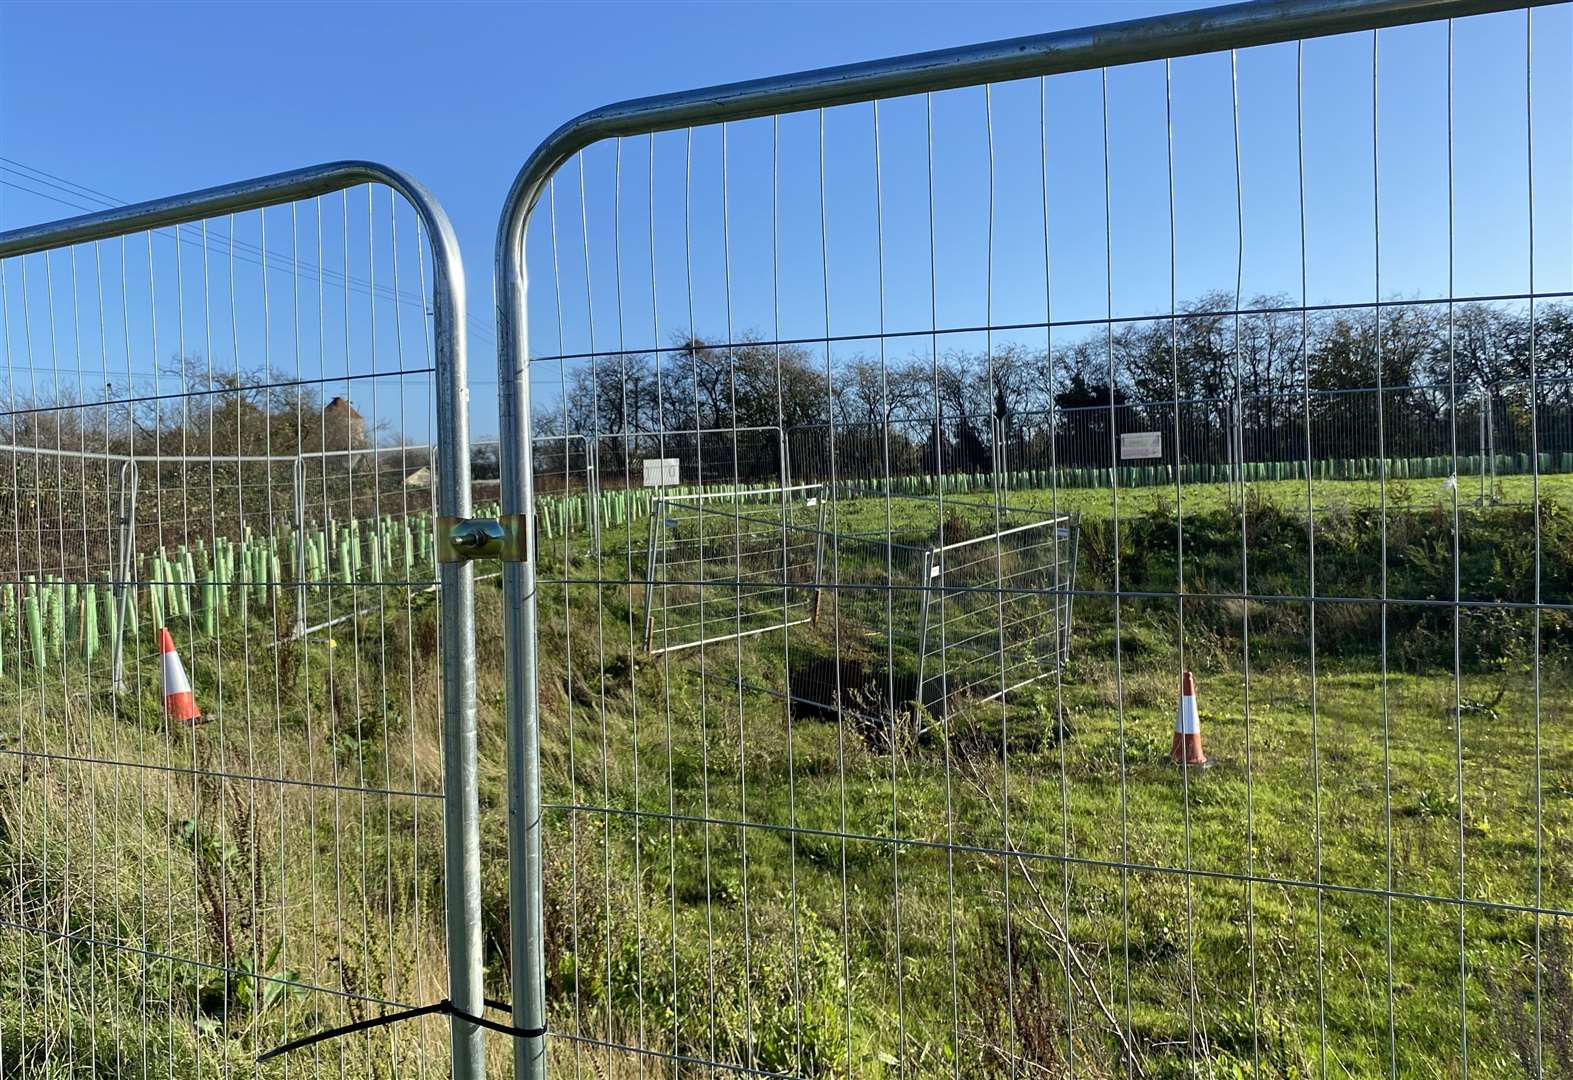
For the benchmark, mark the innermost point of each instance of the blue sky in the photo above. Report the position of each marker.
(166, 97)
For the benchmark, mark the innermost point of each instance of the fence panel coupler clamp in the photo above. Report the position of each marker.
(468, 539)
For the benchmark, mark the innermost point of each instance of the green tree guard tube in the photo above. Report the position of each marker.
(106, 599)
(188, 577)
(210, 607)
(163, 586)
(35, 631)
(56, 626)
(242, 577)
(160, 582)
(180, 600)
(90, 630)
(258, 574)
(172, 588)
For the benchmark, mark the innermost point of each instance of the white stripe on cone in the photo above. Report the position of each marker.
(179, 702)
(1186, 722)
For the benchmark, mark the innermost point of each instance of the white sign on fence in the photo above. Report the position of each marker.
(1141, 444)
(660, 471)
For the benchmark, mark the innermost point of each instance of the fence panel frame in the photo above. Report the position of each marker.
(461, 870)
(1165, 37)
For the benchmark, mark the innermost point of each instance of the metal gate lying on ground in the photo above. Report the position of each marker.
(707, 879)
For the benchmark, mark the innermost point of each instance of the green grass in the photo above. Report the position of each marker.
(1223, 974)
(857, 924)
(157, 855)
(1381, 788)
(1289, 495)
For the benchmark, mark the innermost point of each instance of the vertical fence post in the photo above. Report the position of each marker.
(298, 474)
(1070, 584)
(456, 593)
(1481, 465)
(1236, 453)
(656, 512)
(592, 492)
(123, 571)
(819, 556)
(1491, 444)
(925, 581)
(517, 496)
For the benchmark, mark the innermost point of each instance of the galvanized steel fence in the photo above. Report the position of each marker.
(850, 570)
(733, 850)
(194, 436)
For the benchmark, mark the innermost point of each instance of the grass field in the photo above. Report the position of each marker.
(730, 881)
(867, 893)
(1326, 495)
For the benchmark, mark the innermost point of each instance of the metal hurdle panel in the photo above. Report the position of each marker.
(187, 382)
(705, 881)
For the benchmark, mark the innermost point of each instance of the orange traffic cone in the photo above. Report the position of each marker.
(179, 702)
(1187, 746)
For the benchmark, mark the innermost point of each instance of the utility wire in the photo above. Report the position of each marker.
(33, 174)
(241, 245)
(63, 187)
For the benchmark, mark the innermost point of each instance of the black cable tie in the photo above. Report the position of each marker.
(444, 1007)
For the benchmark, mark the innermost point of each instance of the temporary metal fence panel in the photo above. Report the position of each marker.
(754, 555)
(200, 399)
(1025, 274)
(996, 614)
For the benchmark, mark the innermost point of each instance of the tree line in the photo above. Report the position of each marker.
(1205, 373)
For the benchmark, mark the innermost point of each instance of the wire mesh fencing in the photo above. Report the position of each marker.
(205, 408)
(755, 556)
(998, 618)
(1274, 392)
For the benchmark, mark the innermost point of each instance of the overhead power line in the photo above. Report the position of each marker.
(67, 192)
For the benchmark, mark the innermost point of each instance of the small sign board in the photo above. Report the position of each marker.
(1135, 445)
(660, 471)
